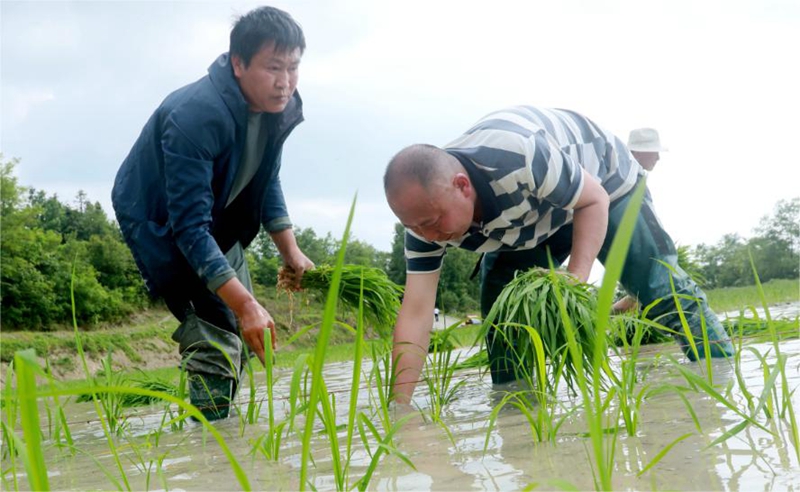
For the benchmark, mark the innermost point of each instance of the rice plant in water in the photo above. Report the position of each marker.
(381, 296)
(322, 402)
(530, 301)
(629, 328)
(439, 378)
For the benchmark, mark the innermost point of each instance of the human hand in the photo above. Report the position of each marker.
(254, 321)
(291, 273)
(569, 276)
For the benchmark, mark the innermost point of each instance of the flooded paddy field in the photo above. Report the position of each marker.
(675, 445)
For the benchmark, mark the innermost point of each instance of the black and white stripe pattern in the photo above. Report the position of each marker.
(525, 164)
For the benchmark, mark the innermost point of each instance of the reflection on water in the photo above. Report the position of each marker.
(509, 459)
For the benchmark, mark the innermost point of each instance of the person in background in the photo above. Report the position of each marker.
(200, 181)
(645, 146)
(523, 185)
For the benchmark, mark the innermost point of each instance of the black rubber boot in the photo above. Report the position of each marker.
(211, 394)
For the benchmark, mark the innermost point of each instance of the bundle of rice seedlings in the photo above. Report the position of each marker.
(381, 296)
(627, 326)
(529, 301)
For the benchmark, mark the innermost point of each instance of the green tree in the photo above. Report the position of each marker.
(457, 292)
(783, 226)
(47, 247)
(263, 260)
(319, 250)
(775, 250)
(26, 251)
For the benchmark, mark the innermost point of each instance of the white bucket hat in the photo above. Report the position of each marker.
(645, 140)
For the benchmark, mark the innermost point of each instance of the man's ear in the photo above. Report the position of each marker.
(462, 183)
(238, 65)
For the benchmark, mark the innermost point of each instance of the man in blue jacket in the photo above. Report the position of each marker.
(198, 184)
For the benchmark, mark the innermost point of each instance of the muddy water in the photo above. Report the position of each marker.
(192, 460)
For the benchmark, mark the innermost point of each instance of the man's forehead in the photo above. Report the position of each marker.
(285, 53)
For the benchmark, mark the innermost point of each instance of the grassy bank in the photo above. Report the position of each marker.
(146, 343)
(736, 298)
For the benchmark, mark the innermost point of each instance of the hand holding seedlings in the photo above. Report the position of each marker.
(359, 285)
(288, 279)
(255, 321)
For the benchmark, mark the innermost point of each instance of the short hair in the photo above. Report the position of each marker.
(262, 26)
(419, 163)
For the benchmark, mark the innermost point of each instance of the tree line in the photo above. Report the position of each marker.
(49, 248)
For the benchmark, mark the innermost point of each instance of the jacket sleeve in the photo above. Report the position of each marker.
(188, 172)
(274, 216)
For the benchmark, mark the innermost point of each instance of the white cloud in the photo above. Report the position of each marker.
(20, 102)
(715, 78)
(373, 221)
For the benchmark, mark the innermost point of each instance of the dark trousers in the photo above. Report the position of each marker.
(208, 336)
(643, 276)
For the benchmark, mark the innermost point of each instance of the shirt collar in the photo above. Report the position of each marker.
(480, 182)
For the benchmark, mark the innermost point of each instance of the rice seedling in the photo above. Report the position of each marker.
(442, 340)
(530, 301)
(8, 422)
(356, 379)
(478, 360)
(768, 401)
(593, 403)
(756, 327)
(317, 383)
(541, 410)
(111, 403)
(57, 426)
(787, 407)
(30, 449)
(177, 423)
(115, 404)
(628, 330)
(270, 443)
(381, 380)
(141, 457)
(381, 296)
(442, 389)
(107, 432)
(320, 399)
(626, 384)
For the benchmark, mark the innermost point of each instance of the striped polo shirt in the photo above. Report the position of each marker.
(524, 164)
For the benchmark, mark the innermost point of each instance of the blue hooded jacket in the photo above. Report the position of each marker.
(170, 193)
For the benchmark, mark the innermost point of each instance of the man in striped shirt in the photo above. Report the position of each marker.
(521, 182)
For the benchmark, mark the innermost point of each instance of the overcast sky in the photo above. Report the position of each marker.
(718, 79)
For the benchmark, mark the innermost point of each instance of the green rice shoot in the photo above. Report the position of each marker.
(530, 301)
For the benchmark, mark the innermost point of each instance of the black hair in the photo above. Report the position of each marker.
(263, 26)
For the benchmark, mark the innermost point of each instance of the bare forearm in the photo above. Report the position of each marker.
(236, 296)
(285, 242)
(411, 338)
(588, 235)
(590, 221)
(412, 333)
